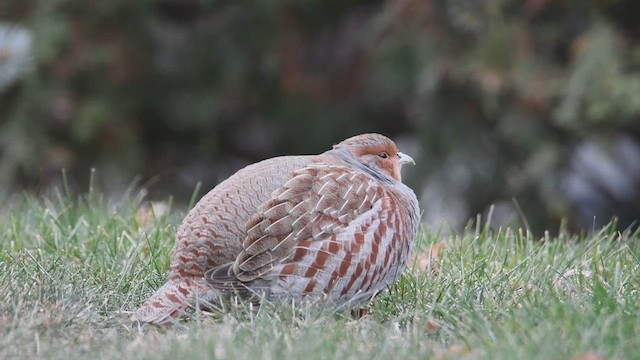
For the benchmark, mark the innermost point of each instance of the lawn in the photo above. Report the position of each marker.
(72, 269)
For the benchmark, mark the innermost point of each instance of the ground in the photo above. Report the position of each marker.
(73, 268)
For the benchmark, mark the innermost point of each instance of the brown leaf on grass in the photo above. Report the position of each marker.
(148, 213)
(589, 355)
(458, 351)
(428, 261)
(432, 325)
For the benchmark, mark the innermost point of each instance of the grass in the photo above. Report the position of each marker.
(72, 268)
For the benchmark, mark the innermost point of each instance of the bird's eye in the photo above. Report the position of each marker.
(383, 155)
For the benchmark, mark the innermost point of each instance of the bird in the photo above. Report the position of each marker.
(337, 226)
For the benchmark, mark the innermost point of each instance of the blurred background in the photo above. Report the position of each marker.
(531, 106)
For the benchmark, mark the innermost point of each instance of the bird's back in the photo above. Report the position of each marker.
(212, 234)
(213, 231)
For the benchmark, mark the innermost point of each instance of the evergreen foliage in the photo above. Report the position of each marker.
(494, 98)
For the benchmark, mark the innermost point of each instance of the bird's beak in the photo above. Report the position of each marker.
(405, 159)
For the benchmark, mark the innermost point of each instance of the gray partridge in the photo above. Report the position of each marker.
(337, 226)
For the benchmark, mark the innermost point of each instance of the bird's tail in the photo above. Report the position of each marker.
(172, 299)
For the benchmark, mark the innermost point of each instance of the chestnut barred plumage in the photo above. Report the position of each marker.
(338, 226)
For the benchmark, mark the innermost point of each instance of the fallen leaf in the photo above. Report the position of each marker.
(589, 355)
(429, 260)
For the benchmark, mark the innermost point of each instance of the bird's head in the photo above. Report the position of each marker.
(376, 152)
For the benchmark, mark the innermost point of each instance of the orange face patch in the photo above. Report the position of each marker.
(386, 157)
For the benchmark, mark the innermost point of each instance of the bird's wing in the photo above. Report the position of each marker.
(320, 212)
